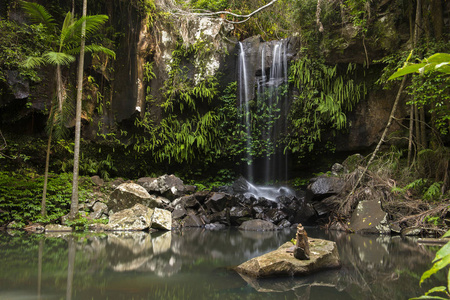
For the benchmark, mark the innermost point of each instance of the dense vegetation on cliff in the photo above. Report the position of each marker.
(159, 108)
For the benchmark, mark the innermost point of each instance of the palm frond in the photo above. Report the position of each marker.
(34, 62)
(38, 14)
(93, 48)
(59, 120)
(58, 58)
(93, 24)
(66, 30)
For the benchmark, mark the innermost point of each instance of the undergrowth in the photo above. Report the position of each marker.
(21, 195)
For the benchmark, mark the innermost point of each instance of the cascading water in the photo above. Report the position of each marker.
(244, 107)
(272, 103)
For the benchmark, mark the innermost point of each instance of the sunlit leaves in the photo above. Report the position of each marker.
(437, 62)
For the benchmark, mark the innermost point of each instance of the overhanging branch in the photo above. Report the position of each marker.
(224, 12)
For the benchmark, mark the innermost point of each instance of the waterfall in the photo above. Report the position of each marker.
(265, 71)
(244, 99)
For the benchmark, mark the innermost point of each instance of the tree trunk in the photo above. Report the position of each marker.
(437, 18)
(411, 128)
(417, 127)
(423, 135)
(76, 155)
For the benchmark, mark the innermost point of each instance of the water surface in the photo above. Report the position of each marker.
(196, 264)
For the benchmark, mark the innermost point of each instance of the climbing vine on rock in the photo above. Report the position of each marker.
(325, 94)
(189, 127)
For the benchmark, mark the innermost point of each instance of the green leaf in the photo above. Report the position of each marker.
(38, 14)
(408, 69)
(439, 58)
(440, 264)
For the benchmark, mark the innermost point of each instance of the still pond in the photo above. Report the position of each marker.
(196, 264)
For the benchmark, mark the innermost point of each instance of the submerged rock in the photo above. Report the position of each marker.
(258, 225)
(324, 256)
(57, 228)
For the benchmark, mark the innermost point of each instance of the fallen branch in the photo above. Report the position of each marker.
(224, 12)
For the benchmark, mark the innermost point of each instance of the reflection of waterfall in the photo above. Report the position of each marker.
(265, 69)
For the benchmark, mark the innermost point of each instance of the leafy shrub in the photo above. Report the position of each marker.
(21, 195)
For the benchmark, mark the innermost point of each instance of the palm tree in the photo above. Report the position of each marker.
(76, 152)
(63, 45)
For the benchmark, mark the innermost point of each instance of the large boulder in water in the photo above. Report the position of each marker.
(127, 195)
(139, 217)
(281, 262)
(369, 217)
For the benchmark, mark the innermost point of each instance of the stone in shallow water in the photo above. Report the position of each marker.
(258, 225)
(324, 256)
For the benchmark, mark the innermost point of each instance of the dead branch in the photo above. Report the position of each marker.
(178, 11)
(394, 108)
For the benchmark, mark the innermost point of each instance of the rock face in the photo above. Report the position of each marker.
(324, 256)
(162, 219)
(139, 217)
(169, 186)
(127, 195)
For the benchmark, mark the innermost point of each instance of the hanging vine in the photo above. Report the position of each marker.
(326, 93)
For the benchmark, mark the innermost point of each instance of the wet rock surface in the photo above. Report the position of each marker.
(281, 262)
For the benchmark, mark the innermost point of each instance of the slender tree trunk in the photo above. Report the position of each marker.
(76, 155)
(417, 127)
(47, 162)
(423, 135)
(411, 128)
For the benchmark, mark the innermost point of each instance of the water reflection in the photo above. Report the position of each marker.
(196, 263)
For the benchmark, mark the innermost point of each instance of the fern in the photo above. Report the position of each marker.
(433, 192)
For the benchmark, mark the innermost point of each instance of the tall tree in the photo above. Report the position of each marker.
(76, 155)
(64, 44)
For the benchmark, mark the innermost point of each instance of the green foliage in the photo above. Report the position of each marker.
(359, 11)
(215, 5)
(91, 166)
(19, 42)
(325, 95)
(437, 62)
(423, 188)
(21, 195)
(440, 261)
(66, 43)
(189, 128)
